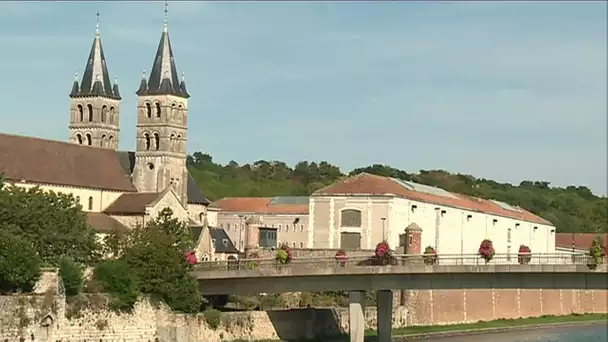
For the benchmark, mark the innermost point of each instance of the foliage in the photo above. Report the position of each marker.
(597, 250)
(116, 279)
(72, 276)
(252, 265)
(486, 250)
(284, 254)
(53, 223)
(154, 254)
(19, 263)
(571, 209)
(213, 318)
(341, 258)
(430, 256)
(382, 254)
(524, 256)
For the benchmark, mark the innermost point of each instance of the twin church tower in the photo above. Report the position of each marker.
(162, 117)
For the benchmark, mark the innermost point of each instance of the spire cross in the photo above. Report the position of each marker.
(166, 14)
(97, 24)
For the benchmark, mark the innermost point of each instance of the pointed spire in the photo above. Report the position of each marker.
(75, 87)
(164, 79)
(143, 85)
(115, 87)
(96, 79)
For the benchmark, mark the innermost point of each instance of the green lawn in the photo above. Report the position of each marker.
(472, 327)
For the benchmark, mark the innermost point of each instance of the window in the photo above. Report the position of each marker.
(112, 115)
(148, 110)
(469, 217)
(225, 242)
(443, 213)
(494, 221)
(213, 241)
(101, 141)
(104, 113)
(279, 229)
(79, 138)
(301, 227)
(110, 140)
(293, 244)
(509, 235)
(147, 141)
(350, 218)
(90, 108)
(410, 240)
(89, 139)
(157, 109)
(90, 203)
(80, 113)
(301, 244)
(414, 208)
(227, 226)
(287, 227)
(156, 141)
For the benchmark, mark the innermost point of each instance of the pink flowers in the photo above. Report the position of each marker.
(191, 257)
(341, 257)
(486, 250)
(524, 256)
(382, 249)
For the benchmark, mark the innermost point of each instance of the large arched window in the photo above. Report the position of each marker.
(148, 110)
(147, 141)
(89, 139)
(102, 140)
(156, 141)
(112, 115)
(90, 203)
(157, 104)
(80, 113)
(90, 109)
(104, 113)
(350, 218)
(79, 138)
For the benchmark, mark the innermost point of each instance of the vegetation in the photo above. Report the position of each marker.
(597, 250)
(72, 276)
(430, 255)
(486, 250)
(571, 209)
(19, 264)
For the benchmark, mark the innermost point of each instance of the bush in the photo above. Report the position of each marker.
(524, 256)
(116, 279)
(19, 263)
(486, 250)
(382, 254)
(284, 255)
(341, 258)
(597, 250)
(430, 256)
(213, 318)
(71, 275)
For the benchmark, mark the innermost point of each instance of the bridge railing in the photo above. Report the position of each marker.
(401, 260)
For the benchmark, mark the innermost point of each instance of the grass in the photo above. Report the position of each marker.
(467, 328)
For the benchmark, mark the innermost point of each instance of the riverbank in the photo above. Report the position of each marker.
(423, 332)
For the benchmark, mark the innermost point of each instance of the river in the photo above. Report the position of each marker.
(593, 332)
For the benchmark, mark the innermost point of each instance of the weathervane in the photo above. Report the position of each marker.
(166, 13)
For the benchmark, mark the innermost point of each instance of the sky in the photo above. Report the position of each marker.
(508, 91)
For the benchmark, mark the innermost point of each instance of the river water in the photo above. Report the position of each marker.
(594, 332)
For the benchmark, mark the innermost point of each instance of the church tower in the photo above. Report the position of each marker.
(95, 103)
(162, 118)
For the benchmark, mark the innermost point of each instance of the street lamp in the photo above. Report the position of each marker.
(383, 230)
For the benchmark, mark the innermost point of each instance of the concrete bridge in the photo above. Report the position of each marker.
(356, 275)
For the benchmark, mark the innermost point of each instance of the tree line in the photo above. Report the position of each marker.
(571, 209)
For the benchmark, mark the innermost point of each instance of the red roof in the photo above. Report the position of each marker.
(258, 205)
(368, 184)
(580, 240)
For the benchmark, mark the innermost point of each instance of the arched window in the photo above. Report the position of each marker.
(147, 141)
(178, 143)
(79, 138)
(90, 108)
(90, 203)
(112, 115)
(102, 140)
(110, 141)
(350, 218)
(172, 142)
(104, 113)
(173, 113)
(156, 141)
(148, 110)
(80, 113)
(157, 104)
(89, 139)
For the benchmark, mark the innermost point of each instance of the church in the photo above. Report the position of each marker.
(119, 189)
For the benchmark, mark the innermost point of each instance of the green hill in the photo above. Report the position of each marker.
(571, 209)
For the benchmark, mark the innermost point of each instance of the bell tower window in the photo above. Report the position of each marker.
(80, 113)
(148, 110)
(156, 141)
(90, 109)
(157, 104)
(79, 138)
(104, 113)
(147, 141)
(89, 139)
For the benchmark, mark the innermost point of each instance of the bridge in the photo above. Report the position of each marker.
(356, 275)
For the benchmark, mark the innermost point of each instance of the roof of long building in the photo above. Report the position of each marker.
(264, 205)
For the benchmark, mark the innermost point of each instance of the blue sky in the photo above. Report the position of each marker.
(500, 90)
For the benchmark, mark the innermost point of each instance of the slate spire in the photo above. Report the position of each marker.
(164, 79)
(96, 78)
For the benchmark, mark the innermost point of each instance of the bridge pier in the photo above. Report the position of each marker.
(384, 315)
(356, 310)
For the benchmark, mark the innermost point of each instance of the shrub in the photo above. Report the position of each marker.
(116, 279)
(486, 250)
(382, 253)
(191, 257)
(284, 255)
(597, 250)
(213, 318)
(19, 263)
(71, 275)
(430, 256)
(341, 258)
(524, 256)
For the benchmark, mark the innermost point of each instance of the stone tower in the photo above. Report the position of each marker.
(162, 119)
(95, 103)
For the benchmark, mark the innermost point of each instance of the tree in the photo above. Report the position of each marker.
(71, 275)
(19, 263)
(571, 209)
(53, 223)
(155, 254)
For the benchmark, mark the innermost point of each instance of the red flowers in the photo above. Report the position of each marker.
(524, 256)
(486, 250)
(382, 249)
(341, 257)
(191, 257)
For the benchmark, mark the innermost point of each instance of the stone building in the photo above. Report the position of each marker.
(117, 189)
(288, 215)
(362, 210)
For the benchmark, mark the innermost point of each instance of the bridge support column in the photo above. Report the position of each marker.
(356, 310)
(384, 311)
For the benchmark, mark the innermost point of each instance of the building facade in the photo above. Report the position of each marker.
(288, 215)
(362, 210)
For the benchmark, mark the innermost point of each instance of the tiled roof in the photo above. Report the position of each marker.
(580, 240)
(103, 223)
(220, 236)
(130, 204)
(368, 184)
(60, 163)
(260, 205)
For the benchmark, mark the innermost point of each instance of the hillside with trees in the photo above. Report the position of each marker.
(571, 209)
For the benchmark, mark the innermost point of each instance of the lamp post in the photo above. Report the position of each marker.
(383, 228)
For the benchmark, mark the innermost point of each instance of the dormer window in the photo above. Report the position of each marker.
(225, 242)
(213, 241)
